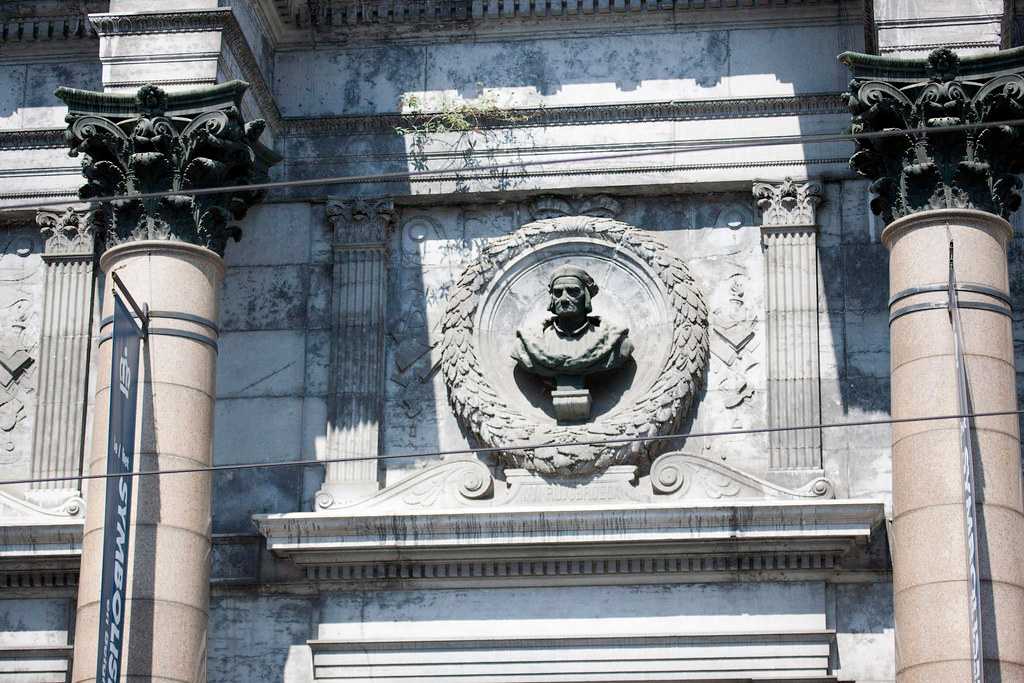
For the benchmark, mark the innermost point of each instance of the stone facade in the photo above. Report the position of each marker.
(365, 329)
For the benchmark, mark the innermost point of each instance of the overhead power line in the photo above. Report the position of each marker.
(646, 149)
(523, 447)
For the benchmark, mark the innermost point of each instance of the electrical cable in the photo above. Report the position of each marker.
(480, 172)
(523, 447)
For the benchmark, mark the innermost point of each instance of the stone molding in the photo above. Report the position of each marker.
(340, 16)
(155, 141)
(789, 236)
(667, 540)
(41, 138)
(762, 655)
(912, 172)
(27, 30)
(669, 110)
(38, 547)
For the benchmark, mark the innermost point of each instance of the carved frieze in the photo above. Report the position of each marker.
(158, 142)
(960, 146)
(645, 289)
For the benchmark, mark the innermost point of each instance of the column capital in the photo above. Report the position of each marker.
(787, 203)
(360, 222)
(939, 168)
(154, 141)
(66, 233)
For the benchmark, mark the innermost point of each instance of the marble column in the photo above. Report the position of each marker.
(356, 408)
(58, 444)
(789, 234)
(935, 189)
(168, 253)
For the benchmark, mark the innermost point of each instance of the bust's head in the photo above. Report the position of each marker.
(570, 290)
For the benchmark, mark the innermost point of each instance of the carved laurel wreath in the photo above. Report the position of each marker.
(494, 422)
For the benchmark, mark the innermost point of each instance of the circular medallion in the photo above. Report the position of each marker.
(630, 369)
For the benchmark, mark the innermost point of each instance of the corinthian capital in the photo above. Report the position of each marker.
(158, 142)
(945, 165)
(787, 203)
(360, 222)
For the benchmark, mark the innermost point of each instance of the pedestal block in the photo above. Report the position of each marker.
(930, 568)
(169, 567)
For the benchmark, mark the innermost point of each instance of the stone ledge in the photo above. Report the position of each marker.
(564, 541)
(37, 547)
(777, 656)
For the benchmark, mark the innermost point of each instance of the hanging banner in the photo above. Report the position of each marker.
(967, 462)
(124, 375)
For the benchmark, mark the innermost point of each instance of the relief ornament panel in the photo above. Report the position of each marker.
(532, 355)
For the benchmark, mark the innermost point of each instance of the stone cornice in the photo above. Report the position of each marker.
(572, 541)
(41, 138)
(339, 19)
(29, 30)
(638, 112)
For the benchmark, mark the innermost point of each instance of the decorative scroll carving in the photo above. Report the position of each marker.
(158, 142)
(493, 418)
(674, 476)
(941, 166)
(361, 229)
(788, 202)
(681, 475)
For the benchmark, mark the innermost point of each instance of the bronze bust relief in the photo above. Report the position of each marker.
(571, 344)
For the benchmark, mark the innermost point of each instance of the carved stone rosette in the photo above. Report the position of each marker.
(669, 324)
(941, 165)
(158, 142)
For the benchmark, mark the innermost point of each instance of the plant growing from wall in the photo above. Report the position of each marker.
(454, 129)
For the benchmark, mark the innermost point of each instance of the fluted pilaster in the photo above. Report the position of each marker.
(58, 442)
(356, 409)
(789, 235)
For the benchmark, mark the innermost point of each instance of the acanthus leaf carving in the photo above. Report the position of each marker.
(961, 148)
(156, 142)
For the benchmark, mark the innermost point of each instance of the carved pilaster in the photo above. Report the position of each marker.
(356, 405)
(789, 234)
(64, 349)
(942, 166)
(154, 141)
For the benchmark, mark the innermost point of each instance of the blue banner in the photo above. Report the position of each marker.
(124, 376)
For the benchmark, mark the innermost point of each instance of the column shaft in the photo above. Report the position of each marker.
(930, 567)
(169, 566)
